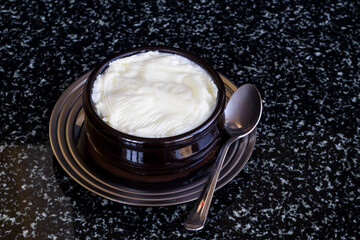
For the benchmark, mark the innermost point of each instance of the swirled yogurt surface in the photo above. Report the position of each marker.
(154, 94)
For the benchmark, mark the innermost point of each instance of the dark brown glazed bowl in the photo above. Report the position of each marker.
(152, 159)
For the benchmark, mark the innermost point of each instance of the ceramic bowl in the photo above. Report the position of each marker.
(152, 159)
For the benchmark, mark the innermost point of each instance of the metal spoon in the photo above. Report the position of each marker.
(242, 115)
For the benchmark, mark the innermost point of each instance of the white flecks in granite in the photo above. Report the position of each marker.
(34, 206)
(303, 177)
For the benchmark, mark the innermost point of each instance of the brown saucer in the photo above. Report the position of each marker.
(66, 138)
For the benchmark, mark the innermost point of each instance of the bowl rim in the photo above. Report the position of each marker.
(107, 130)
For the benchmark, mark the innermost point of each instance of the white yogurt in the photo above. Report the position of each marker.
(154, 94)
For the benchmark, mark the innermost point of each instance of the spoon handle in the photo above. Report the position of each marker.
(197, 217)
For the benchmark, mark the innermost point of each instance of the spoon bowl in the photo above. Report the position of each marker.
(243, 111)
(242, 114)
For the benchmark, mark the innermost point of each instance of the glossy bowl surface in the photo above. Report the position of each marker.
(152, 159)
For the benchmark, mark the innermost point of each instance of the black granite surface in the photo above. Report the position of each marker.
(302, 180)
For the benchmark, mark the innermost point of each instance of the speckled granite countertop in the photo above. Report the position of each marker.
(302, 180)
